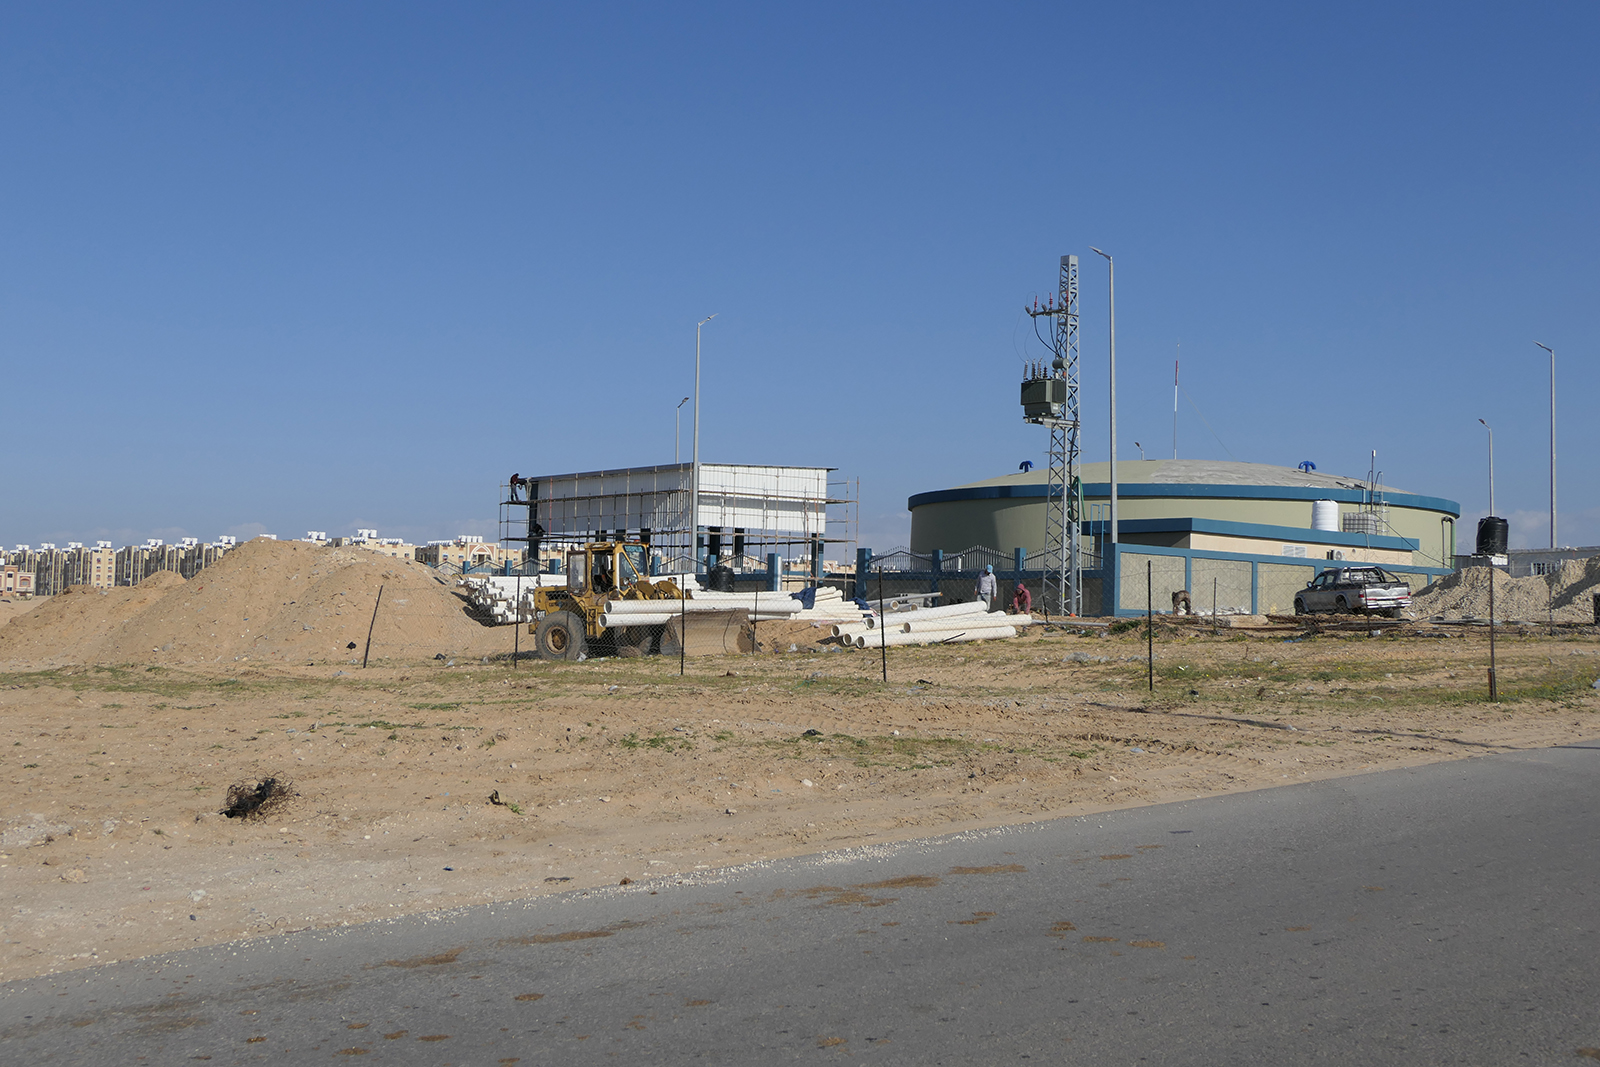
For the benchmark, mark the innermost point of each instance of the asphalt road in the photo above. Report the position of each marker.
(1445, 914)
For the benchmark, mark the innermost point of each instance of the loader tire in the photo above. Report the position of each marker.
(560, 636)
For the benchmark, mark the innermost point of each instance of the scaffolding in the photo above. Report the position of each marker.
(745, 513)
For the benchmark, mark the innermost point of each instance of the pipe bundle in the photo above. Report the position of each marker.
(949, 624)
(829, 604)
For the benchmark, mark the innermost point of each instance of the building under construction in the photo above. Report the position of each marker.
(745, 514)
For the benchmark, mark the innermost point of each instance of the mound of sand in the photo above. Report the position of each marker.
(265, 601)
(1568, 594)
(59, 626)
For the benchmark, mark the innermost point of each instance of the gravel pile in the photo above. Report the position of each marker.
(1568, 594)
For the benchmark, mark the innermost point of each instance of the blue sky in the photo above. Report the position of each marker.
(299, 266)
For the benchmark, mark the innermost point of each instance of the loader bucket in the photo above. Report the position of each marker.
(709, 633)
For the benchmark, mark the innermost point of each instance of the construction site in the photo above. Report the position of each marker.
(661, 669)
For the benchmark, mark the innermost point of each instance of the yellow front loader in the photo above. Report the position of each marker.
(568, 618)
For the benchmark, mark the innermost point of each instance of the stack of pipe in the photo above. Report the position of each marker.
(950, 624)
(495, 594)
(761, 607)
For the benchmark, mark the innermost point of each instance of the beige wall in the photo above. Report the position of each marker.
(1261, 547)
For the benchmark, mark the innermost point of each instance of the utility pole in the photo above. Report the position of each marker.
(1552, 352)
(1111, 268)
(694, 481)
(1050, 399)
(1486, 426)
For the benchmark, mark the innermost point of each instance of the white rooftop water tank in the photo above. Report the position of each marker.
(1324, 514)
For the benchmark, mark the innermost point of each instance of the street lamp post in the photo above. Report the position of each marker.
(1111, 268)
(694, 484)
(677, 430)
(1486, 426)
(1552, 352)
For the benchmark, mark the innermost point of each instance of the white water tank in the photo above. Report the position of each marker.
(1324, 514)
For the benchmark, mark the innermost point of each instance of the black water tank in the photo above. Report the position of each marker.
(1492, 533)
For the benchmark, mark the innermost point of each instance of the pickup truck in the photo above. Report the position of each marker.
(1354, 590)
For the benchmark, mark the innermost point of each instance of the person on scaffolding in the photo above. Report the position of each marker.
(535, 536)
(987, 588)
(517, 482)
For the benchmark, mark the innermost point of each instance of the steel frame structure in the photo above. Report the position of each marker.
(1063, 589)
(768, 508)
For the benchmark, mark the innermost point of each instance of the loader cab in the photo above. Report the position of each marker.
(604, 567)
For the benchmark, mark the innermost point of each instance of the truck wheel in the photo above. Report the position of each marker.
(1299, 606)
(1343, 605)
(560, 636)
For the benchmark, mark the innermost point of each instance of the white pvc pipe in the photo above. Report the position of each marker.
(973, 607)
(918, 626)
(952, 623)
(647, 606)
(610, 621)
(976, 633)
(936, 637)
(774, 606)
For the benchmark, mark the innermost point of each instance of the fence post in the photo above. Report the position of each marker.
(1019, 560)
(368, 650)
(1254, 587)
(937, 562)
(863, 562)
(774, 573)
(1111, 565)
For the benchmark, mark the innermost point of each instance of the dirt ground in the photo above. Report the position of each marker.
(11, 607)
(112, 776)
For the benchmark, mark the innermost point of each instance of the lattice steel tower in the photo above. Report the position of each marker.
(1050, 398)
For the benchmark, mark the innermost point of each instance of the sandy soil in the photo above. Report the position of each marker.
(112, 776)
(11, 607)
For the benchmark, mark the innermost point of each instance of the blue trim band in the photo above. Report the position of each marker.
(1134, 490)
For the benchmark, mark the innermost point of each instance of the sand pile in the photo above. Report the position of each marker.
(58, 626)
(1569, 592)
(266, 601)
